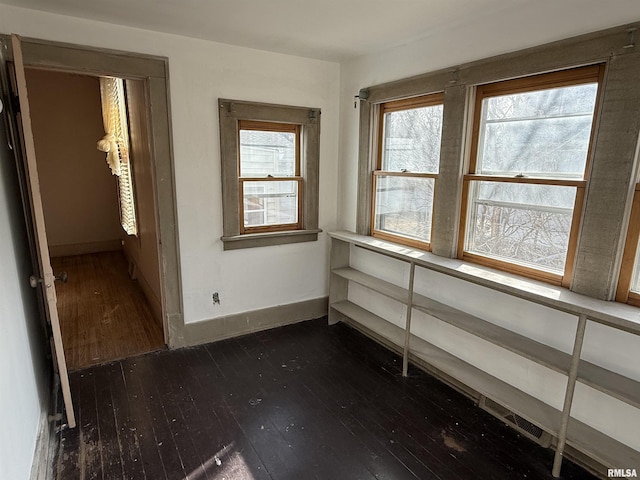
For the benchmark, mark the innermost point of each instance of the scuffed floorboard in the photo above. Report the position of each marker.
(306, 401)
(104, 315)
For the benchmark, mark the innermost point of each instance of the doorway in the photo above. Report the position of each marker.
(110, 304)
(16, 55)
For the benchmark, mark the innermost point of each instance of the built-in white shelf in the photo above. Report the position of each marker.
(372, 322)
(385, 288)
(612, 383)
(615, 314)
(606, 451)
(600, 447)
(606, 381)
(584, 438)
(587, 440)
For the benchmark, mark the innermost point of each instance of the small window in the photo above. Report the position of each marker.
(269, 181)
(270, 160)
(527, 176)
(116, 145)
(407, 169)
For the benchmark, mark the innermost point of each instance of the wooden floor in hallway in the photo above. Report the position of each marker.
(306, 401)
(104, 315)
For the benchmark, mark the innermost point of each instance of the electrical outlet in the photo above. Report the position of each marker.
(216, 298)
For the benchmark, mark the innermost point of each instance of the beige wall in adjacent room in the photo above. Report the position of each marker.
(79, 193)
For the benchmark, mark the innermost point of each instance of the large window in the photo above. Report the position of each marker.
(537, 159)
(524, 192)
(270, 159)
(407, 169)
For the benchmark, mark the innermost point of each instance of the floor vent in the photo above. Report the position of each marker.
(525, 427)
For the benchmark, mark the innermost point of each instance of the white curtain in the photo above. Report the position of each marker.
(114, 142)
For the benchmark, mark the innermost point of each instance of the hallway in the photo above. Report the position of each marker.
(104, 315)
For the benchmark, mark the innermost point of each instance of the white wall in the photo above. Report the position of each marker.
(517, 29)
(201, 72)
(23, 369)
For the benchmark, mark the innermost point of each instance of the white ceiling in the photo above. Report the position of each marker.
(330, 29)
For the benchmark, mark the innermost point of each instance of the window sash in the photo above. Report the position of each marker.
(630, 259)
(398, 236)
(430, 100)
(554, 146)
(571, 77)
(297, 178)
(261, 126)
(272, 227)
(522, 267)
(564, 78)
(539, 274)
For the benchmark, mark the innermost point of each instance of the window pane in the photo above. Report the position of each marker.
(267, 153)
(544, 133)
(519, 223)
(412, 140)
(635, 280)
(404, 206)
(270, 203)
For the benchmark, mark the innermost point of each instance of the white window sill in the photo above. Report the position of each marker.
(618, 315)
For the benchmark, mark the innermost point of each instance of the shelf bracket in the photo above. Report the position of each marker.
(407, 331)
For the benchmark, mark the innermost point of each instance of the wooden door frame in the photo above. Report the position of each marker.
(154, 71)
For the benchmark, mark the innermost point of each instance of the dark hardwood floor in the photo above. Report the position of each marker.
(307, 401)
(104, 315)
